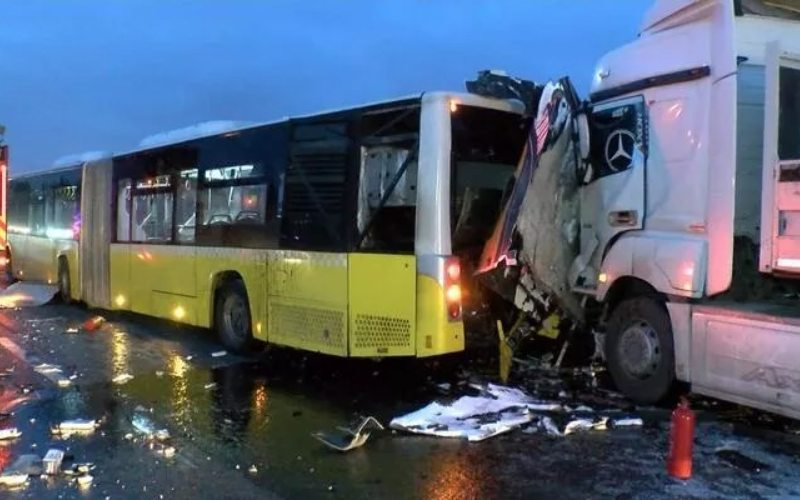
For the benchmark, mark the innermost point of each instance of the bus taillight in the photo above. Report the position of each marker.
(452, 288)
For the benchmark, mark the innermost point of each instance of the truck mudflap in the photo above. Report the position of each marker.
(747, 354)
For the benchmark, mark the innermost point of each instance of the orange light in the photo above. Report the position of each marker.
(454, 271)
(453, 106)
(602, 278)
(453, 293)
(3, 261)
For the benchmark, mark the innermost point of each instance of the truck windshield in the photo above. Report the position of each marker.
(487, 145)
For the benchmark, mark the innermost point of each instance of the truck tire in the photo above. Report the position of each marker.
(639, 350)
(232, 316)
(64, 283)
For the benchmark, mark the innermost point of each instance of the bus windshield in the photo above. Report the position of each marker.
(486, 148)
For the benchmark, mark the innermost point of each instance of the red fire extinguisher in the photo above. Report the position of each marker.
(681, 439)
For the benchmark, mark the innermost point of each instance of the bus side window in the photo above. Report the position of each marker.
(186, 214)
(124, 210)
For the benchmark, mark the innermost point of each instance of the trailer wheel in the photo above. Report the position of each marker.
(232, 316)
(64, 283)
(639, 350)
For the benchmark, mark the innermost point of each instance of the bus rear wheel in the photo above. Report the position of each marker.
(232, 316)
(639, 350)
(64, 283)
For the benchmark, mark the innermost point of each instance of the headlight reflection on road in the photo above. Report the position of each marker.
(180, 390)
(119, 352)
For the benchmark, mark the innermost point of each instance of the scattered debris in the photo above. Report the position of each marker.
(218, 354)
(13, 480)
(585, 424)
(496, 410)
(77, 426)
(144, 425)
(189, 357)
(627, 422)
(159, 373)
(210, 385)
(26, 294)
(253, 469)
(64, 382)
(71, 329)
(741, 461)
(122, 378)
(85, 481)
(52, 461)
(28, 464)
(9, 433)
(349, 438)
(46, 369)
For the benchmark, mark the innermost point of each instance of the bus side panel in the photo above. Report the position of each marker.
(382, 304)
(165, 276)
(308, 300)
(119, 269)
(40, 260)
(213, 263)
(18, 243)
(435, 333)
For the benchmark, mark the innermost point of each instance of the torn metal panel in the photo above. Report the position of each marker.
(538, 229)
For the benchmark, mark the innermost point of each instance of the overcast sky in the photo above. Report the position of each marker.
(101, 75)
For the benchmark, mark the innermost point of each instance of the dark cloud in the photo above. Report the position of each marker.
(93, 74)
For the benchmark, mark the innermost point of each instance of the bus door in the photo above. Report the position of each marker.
(382, 289)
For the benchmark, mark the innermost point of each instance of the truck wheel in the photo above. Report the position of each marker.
(639, 350)
(64, 283)
(232, 316)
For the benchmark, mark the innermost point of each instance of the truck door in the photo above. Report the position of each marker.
(612, 200)
(780, 202)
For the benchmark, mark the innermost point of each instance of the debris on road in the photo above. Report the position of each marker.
(71, 329)
(210, 386)
(218, 354)
(46, 369)
(13, 480)
(496, 410)
(144, 425)
(25, 294)
(52, 461)
(9, 433)
(64, 382)
(628, 422)
(122, 378)
(77, 426)
(349, 438)
(253, 469)
(85, 481)
(28, 465)
(741, 461)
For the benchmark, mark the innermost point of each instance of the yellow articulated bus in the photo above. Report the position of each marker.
(344, 232)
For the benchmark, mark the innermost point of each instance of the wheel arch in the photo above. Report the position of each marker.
(217, 281)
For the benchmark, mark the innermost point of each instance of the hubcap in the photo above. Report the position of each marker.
(235, 317)
(639, 350)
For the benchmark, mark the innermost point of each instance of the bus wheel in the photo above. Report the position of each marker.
(639, 349)
(64, 283)
(232, 316)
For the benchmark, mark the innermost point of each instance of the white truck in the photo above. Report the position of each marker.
(689, 196)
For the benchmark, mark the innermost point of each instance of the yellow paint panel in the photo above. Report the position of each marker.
(40, 260)
(120, 282)
(435, 333)
(308, 301)
(382, 293)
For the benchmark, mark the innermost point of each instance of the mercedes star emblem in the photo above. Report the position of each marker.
(619, 149)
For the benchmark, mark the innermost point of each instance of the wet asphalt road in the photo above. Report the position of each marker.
(261, 410)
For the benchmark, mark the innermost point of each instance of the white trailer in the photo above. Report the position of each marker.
(692, 188)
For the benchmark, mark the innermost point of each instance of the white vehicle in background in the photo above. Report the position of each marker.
(693, 187)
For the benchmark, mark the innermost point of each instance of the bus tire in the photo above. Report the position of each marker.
(64, 282)
(639, 349)
(232, 316)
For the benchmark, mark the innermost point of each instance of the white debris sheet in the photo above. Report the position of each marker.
(496, 410)
(22, 294)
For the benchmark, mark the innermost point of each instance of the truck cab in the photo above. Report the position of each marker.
(690, 203)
